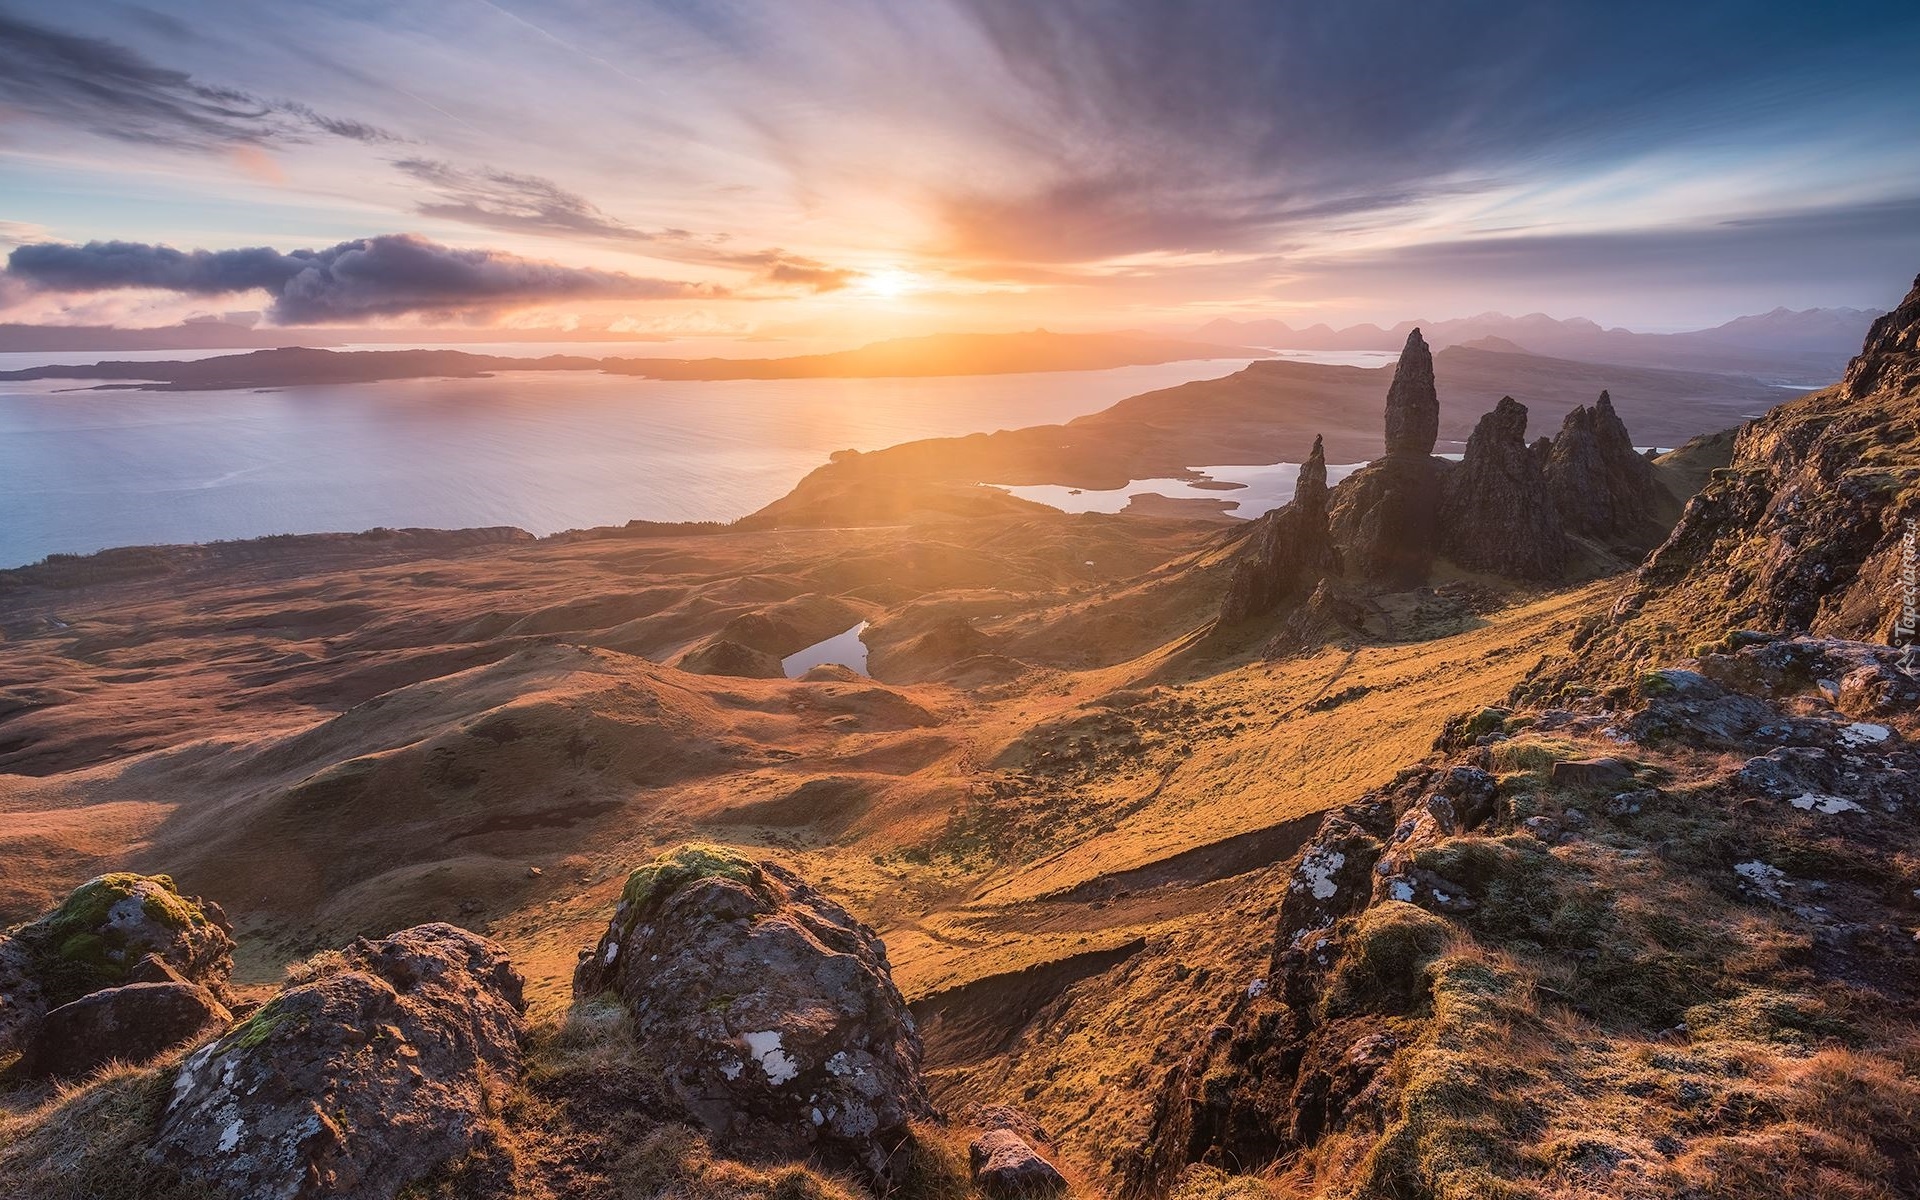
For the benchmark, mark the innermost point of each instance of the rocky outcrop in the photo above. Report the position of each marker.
(1601, 486)
(1005, 1167)
(1288, 549)
(1497, 515)
(1889, 360)
(773, 1008)
(97, 938)
(369, 1076)
(1508, 508)
(1413, 404)
(1431, 931)
(1806, 530)
(131, 1023)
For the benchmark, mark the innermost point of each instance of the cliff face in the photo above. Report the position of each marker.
(1804, 531)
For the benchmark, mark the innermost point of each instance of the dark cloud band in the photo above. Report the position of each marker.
(115, 92)
(393, 275)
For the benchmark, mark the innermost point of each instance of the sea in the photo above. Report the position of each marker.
(83, 470)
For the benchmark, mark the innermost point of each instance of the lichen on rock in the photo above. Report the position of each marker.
(773, 1008)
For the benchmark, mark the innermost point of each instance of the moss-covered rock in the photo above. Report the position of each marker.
(1382, 966)
(96, 937)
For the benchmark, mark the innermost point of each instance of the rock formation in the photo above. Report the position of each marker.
(1889, 360)
(1805, 530)
(1496, 514)
(379, 1070)
(773, 1008)
(1287, 550)
(1413, 405)
(97, 938)
(1509, 507)
(1601, 486)
(1385, 517)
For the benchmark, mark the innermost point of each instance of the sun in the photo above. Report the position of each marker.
(889, 283)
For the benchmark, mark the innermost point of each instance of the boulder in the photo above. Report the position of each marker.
(1593, 772)
(1413, 405)
(96, 938)
(367, 1077)
(131, 1024)
(1004, 1166)
(1496, 514)
(773, 1008)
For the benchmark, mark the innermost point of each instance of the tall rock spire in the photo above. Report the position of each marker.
(1310, 493)
(1413, 406)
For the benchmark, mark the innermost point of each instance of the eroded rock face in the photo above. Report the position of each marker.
(1413, 405)
(95, 940)
(1288, 550)
(131, 1024)
(357, 1082)
(1386, 520)
(1498, 515)
(1601, 487)
(774, 1009)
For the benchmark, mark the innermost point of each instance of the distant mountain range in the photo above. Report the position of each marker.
(939, 354)
(1811, 346)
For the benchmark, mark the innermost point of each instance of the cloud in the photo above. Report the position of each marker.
(115, 92)
(16, 232)
(520, 203)
(1135, 127)
(367, 279)
(514, 203)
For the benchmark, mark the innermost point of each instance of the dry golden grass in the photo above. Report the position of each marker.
(87, 1140)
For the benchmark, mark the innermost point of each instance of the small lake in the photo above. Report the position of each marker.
(1260, 490)
(844, 648)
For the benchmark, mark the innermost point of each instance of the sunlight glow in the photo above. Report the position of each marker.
(889, 283)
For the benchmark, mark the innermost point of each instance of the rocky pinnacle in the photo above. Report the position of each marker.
(1310, 493)
(1413, 407)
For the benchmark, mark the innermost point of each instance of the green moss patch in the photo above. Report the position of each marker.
(1383, 965)
(650, 886)
(76, 950)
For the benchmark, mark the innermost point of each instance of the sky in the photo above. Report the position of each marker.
(856, 168)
